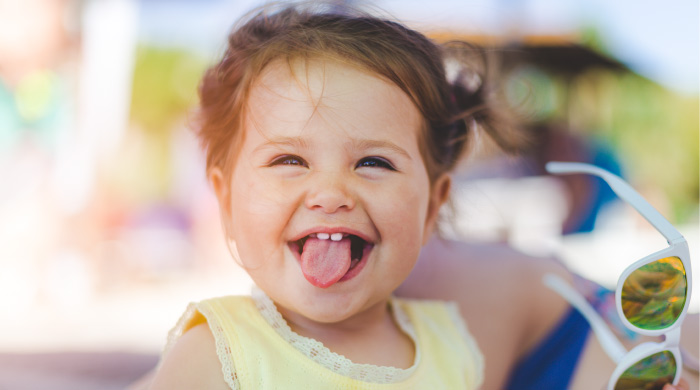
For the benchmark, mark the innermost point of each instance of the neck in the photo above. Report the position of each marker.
(374, 316)
(370, 337)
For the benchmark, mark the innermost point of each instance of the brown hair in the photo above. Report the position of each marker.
(452, 109)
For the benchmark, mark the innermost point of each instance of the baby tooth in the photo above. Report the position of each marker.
(322, 236)
(337, 236)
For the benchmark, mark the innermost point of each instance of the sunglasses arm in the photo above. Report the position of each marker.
(625, 192)
(612, 346)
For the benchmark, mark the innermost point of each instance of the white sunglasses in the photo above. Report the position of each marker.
(652, 297)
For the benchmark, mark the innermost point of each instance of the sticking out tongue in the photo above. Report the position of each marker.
(324, 262)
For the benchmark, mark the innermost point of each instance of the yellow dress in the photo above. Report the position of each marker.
(258, 350)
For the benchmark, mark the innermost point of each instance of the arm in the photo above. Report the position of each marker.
(690, 341)
(690, 337)
(192, 363)
(144, 382)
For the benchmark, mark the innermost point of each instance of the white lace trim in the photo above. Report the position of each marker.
(316, 351)
(223, 350)
(458, 320)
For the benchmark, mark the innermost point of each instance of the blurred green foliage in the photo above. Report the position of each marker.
(164, 92)
(653, 130)
(164, 87)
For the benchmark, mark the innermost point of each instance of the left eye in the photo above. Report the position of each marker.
(289, 160)
(375, 162)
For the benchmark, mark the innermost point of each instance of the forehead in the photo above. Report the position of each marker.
(299, 92)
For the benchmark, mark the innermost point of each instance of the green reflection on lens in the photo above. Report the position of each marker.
(650, 373)
(653, 295)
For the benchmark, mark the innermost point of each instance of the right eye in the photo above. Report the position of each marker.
(288, 160)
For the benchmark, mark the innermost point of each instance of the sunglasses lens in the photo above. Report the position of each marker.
(650, 373)
(653, 296)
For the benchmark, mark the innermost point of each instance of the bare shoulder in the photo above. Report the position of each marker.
(500, 295)
(191, 363)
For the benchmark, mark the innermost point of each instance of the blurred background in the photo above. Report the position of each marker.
(108, 227)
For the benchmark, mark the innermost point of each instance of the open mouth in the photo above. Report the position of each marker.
(327, 258)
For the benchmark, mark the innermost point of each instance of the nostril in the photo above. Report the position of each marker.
(330, 200)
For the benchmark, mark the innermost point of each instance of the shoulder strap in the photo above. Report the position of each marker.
(443, 335)
(204, 312)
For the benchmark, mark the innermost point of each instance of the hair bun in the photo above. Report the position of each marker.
(478, 97)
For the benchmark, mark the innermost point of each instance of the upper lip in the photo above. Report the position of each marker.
(331, 230)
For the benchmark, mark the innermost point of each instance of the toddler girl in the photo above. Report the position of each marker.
(329, 137)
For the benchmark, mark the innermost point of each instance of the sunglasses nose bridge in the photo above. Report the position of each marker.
(672, 339)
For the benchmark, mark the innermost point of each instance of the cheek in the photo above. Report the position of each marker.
(254, 196)
(404, 212)
(258, 216)
(405, 217)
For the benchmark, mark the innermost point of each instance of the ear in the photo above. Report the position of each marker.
(438, 196)
(223, 192)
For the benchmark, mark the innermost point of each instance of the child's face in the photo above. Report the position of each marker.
(329, 151)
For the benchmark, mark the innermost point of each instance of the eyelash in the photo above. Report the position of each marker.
(374, 162)
(377, 162)
(289, 160)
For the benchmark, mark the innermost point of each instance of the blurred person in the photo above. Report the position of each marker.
(587, 195)
(525, 337)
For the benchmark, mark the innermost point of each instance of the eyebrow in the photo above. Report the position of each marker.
(294, 142)
(297, 142)
(378, 144)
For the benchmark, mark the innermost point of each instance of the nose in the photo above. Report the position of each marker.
(330, 193)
